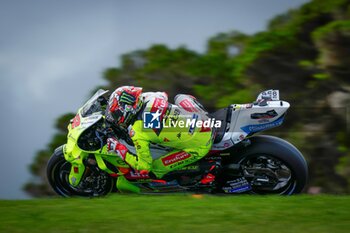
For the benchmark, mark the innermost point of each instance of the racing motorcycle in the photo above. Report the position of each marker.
(243, 162)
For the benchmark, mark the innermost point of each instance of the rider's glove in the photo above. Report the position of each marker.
(113, 145)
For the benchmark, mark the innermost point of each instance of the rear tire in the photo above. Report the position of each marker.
(57, 172)
(277, 150)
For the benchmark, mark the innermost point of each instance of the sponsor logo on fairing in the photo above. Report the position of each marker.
(76, 121)
(256, 128)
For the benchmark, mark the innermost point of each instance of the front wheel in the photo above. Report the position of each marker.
(92, 184)
(273, 166)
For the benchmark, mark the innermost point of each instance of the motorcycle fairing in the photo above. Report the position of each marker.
(87, 116)
(244, 121)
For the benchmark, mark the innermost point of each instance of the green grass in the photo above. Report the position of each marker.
(178, 213)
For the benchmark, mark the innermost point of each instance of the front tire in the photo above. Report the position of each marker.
(58, 170)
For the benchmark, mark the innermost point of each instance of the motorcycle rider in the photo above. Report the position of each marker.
(150, 118)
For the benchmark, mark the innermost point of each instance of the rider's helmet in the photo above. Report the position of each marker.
(124, 104)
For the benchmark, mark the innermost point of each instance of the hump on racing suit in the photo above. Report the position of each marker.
(189, 103)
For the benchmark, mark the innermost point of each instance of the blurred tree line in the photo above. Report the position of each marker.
(305, 53)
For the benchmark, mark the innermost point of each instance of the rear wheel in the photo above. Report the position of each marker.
(94, 182)
(268, 175)
(273, 166)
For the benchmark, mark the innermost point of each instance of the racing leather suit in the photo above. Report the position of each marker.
(159, 122)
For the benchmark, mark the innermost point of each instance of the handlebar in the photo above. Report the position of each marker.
(112, 130)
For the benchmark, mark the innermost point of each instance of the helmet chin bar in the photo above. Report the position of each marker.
(127, 119)
(124, 103)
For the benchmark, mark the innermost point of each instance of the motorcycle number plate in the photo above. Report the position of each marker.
(270, 95)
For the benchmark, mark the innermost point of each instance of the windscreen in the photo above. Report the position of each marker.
(92, 105)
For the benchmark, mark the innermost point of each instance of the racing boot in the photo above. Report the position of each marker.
(210, 174)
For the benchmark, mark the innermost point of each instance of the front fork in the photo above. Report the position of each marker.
(110, 163)
(75, 157)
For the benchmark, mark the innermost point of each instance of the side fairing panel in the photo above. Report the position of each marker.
(247, 119)
(255, 118)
